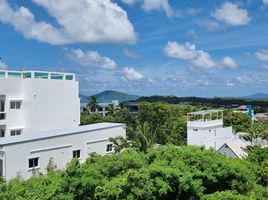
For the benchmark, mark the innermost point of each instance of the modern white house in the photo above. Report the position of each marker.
(205, 128)
(26, 154)
(234, 148)
(34, 101)
(39, 121)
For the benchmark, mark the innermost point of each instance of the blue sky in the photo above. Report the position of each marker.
(144, 47)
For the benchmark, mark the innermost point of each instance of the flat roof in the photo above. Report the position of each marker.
(204, 112)
(56, 133)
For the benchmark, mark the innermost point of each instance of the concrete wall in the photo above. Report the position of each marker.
(15, 156)
(210, 137)
(46, 104)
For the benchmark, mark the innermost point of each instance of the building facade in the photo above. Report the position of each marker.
(205, 128)
(34, 101)
(28, 154)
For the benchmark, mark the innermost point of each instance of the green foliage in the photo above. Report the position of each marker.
(240, 121)
(167, 172)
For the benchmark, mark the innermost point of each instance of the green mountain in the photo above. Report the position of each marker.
(257, 96)
(110, 95)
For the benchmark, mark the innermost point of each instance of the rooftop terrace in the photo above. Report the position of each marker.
(36, 75)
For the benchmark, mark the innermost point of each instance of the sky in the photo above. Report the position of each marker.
(203, 48)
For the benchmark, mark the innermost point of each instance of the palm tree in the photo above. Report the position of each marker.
(92, 105)
(113, 109)
(145, 137)
(120, 143)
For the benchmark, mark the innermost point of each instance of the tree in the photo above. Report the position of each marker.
(92, 105)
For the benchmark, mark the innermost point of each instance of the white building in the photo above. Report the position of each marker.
(34, 101)
(39, 120)
(234, 148)
(205, 128)
(103, 107)
(26, 154)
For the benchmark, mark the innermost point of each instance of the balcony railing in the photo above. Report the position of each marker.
(209, 123)
(36, 75)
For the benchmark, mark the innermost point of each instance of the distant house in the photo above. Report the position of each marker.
(247, 109)
(234, 148)
(103, 107)
(205, 128)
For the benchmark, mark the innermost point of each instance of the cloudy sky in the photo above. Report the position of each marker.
(145, 47)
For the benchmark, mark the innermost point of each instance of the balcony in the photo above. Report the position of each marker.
(37, 75)
(204, 124)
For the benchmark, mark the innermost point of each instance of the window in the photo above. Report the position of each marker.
(109, 147)
(1, 167)
(2, 132)
(15, 104)
(15, 132)
(76, 154)
(2, 106)
(33, 162)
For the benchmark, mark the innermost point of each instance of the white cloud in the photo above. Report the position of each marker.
(229, 62)
(80, 21)
(265, 2)
(189, 52)
(91, 59)
(129, 2)
(262, 55)
(131, 74)
(209, 24)
(3, 65)
(131, 54)
(149, 5)
(229, 83)
(231, 14)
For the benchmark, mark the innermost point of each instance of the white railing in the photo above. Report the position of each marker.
(36, 74)
(209, 123)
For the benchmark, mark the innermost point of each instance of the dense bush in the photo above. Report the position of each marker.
(167, 172)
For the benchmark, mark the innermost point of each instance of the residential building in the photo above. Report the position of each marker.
(103, 106)
(234, 148)
(247, 109)
(35, 101)
(39, 121)
(205, 128)
(27, 154)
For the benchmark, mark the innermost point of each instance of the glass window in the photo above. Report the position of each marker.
(33, 162)
(2, 74)
(27, 75)
(41, 75)
(1, 167)
(2, 106)
(76, 154)
(15, 104)
(14, 74)
(69, 77)
(2, 132)
(57, 76)
(15, 132)
(109, 147)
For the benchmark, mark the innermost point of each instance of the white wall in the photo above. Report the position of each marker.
(210, 137)
(46, 104)
(60, 148)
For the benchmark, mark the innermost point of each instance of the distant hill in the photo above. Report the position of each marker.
(257, 96)
(110, 95)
